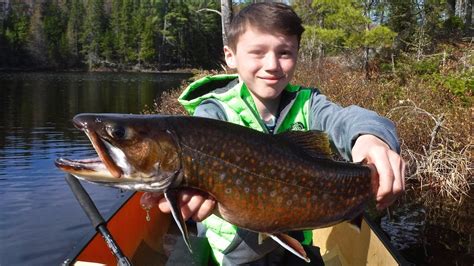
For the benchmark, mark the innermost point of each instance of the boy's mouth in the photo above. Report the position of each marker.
(271, 80)
(271, 77)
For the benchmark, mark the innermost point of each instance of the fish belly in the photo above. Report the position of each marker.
(271, 195)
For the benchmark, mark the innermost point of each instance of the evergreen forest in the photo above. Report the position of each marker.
(163, 34)
(112, 34)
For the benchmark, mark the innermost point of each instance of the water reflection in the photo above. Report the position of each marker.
(40, 220)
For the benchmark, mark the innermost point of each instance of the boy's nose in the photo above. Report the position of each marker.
(271, 62)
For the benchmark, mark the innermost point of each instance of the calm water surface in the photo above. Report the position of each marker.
(40, 220)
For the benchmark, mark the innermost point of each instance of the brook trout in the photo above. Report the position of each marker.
(264, 183)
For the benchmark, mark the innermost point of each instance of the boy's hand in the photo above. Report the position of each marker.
(390, 167)
(194, 204)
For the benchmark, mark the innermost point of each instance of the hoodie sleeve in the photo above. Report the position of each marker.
(211, 109)
(345, 125)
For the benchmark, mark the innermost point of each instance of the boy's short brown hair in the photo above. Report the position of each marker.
(267, 17)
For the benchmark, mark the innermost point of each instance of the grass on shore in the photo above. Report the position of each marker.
(433, 120)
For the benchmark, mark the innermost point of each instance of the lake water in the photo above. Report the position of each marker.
(40, 220)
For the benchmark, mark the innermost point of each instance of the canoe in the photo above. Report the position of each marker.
(147, 239)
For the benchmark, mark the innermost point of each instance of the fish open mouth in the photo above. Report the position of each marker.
(101, 149)
(86, 168)
(103, 167)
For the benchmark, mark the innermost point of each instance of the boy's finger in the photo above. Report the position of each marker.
(204, 210)
(164, 206)
(188, 209)
(188, 200)
(386, 177)
(397, 167)
(398, 185)
(185, 195)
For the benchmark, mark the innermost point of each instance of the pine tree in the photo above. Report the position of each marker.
(36, 45)
(94, 25)
(402, 19)
(54, 26)
(14, 35)
(73, 31)
(333, 27)
(16, 26)
(125, 36)
(148, 25)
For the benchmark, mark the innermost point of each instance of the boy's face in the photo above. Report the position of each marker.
(266, 62)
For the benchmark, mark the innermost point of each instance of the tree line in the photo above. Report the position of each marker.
(381, 28)
(164, 34)
(118, 34)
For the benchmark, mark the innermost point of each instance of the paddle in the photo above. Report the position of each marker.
(96, 219)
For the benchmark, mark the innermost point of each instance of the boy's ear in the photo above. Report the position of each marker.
(229, 57)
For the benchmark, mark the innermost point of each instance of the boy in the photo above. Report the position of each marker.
(263, 47)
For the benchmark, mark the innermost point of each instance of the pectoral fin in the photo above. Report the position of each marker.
(292, 245)
(171, 196)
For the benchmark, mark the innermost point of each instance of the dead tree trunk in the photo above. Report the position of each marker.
(226, 18)
(468, 19)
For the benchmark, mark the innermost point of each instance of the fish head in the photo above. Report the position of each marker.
(135, 152)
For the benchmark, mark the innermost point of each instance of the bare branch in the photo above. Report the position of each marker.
(209, 10)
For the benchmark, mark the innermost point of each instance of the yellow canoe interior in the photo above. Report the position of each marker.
(343, 244)
(143, 243)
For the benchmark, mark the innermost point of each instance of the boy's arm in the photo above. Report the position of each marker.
(210, 109)
(360, 134)
(345, 125)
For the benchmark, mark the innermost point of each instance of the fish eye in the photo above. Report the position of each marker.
(118, 132)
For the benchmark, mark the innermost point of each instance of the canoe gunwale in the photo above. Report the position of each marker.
(82, 244)
(385, 241)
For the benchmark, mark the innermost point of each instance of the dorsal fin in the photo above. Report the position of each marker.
(315, 143)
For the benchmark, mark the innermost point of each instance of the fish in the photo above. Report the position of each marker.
(269, 184)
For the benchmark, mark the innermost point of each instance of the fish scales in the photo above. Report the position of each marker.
(268, 189)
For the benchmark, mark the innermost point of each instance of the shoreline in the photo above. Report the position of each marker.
(102, 70)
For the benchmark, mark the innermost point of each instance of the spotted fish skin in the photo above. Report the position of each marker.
(266, 184)
(261, 182)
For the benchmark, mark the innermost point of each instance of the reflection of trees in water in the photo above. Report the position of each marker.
(49, 100)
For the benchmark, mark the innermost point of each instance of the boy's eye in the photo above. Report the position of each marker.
(286, 53)
(256, 55)
(255, 52)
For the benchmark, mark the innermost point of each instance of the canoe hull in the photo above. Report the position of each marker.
(143, 241)
(133, 233)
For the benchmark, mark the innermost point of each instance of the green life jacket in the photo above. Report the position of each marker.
(239, 108)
